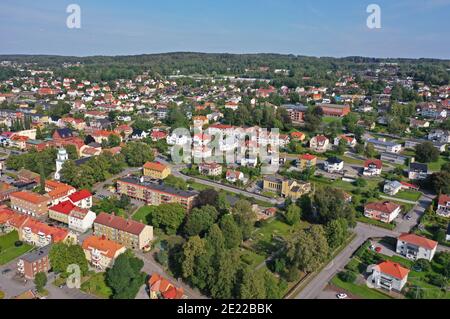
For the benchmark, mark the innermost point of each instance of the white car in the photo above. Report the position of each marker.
(341, 296)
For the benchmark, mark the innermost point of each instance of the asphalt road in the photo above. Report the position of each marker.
(363, 232)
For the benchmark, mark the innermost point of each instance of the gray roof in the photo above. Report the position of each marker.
(37, 254)
(383, 143)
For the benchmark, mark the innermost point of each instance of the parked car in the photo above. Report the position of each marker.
(341, 296)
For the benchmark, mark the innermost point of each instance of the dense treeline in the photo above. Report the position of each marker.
(303, 70)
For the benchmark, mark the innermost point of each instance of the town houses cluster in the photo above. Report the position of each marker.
(378, 136)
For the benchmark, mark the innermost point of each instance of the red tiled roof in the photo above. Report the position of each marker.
(385, 207)
(63, 207)
(120, 223)
(307, 157)
(57, 234)
(443, 200)
(378, 163)
(393, 269)
(155, 166)
(80, 195)
(30, 197)
(108, 247)
(418, 240)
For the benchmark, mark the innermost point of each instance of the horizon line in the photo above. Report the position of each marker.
(218, 53)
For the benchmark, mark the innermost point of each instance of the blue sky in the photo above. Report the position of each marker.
(410, 28)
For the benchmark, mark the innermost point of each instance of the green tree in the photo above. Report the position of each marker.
(168, 217)
(292, 215)
(231, 232)
(62, 255)
(40, 280)
(427, 153)
(245, 217)
(199, 220)
(252, 284)
(137, 153)
(125, 277)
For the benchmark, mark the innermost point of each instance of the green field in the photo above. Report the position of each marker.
(8, 251)
(436, 166)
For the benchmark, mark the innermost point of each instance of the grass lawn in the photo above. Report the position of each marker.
(351, 160)
(330, 119)
(96, 286)
(251, 258)
(409, 195)
(263, 238)
(366, 220)
(436, 166)
(141, 214)
(359, 290)
(10, 252)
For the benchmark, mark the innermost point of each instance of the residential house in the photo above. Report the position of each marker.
(443, 206)
(385, 212)
(392, 188)
(350, 140)
(416, 247)
(234, 176)
(306, 161)
(390, 276)
(130, 233)
(156, 170)
(6, 190)
(34, 262)
(210, 169)
(394, 158)
(101, 252)
(372, 167)
(82, 199)
(333, 165)
(161, 288)
(418, 171)
(382, 145)
(319, 143)
(76, 218)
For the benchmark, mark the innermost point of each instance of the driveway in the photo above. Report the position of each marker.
(404, 225)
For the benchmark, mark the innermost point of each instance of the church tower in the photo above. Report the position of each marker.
(61, 158)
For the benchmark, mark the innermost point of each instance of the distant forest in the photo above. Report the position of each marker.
(303, 70)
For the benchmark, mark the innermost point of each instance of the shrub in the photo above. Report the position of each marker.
(347, 276)
(423, 264)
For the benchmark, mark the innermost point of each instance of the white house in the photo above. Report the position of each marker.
(350, 140)
(392, 188)
(319, 143)
(234, 176)
(372, 167)
(177, 139)
(82, 199)
(444, 206)
(390, 276)
(416, 247)
(333, 165)
(382, 145)
(81, 220)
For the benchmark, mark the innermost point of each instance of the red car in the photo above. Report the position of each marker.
(378, 249)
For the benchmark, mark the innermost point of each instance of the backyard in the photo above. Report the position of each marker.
(8, 249)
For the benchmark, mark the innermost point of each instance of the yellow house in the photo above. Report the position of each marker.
(286, 188)
(306, 161)
(156, 170)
